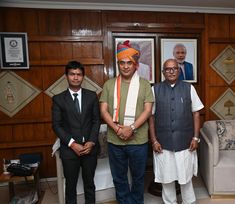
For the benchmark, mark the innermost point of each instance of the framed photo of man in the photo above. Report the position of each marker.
(184, 50)
(145, 46)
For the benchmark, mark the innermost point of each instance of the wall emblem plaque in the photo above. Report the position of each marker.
(224, 64)
(15, 93)
(224, 107)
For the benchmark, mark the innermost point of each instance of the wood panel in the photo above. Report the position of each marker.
(54, 22)
(86, 23)
(11, 135)
(51, 74)
(6, 134)
(91, 50)
(218, 26)
(231, 26)
(54, 38)
(154, 17)
(35, 51)
(220, 34)
(19, 20)
(96, 73)
(130, 17)
(57, 36)
(56, 50)
(180, 18)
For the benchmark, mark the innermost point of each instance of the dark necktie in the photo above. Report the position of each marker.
(76, 102)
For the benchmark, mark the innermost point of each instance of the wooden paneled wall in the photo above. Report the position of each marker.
(57, 36)
(54, 38)
(220, 33)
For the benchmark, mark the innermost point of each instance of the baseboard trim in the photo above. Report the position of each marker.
(222, 196)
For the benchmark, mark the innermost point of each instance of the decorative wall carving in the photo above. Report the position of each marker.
(224, 64)
(224, 107)
(15, 93)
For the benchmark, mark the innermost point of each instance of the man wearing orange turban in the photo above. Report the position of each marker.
(126, 104)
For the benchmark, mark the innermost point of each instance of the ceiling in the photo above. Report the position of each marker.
(202, 6)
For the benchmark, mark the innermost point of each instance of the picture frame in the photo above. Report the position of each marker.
(190, 65)
(146, 46)
(14, 50)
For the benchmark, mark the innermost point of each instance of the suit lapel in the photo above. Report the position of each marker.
(69, 99)
(83, 104)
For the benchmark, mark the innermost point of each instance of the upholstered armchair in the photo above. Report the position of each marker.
(217, 157)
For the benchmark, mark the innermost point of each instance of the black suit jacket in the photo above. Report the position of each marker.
(67, 123)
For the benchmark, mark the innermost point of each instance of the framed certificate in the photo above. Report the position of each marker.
(14, 50)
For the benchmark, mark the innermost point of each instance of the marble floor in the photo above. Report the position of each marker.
(50, 196)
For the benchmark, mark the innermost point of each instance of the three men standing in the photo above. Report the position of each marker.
(126, 106)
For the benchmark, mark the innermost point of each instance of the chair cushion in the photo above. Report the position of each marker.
(226, 134)
(103, 141)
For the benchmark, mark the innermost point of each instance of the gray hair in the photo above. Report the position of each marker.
(170, 60)
(180, 45)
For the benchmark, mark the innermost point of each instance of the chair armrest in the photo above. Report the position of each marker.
(209, 130)
(206, 157)
(213, 144)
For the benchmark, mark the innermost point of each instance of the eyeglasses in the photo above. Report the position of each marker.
(122, 63)
(170, 69)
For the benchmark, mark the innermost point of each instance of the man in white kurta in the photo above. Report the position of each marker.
(179, 164)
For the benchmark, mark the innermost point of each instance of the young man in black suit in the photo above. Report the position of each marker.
(76, 121)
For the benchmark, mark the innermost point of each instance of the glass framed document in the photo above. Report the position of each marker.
(14, 50)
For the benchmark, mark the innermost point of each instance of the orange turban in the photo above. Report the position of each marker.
(124, 50)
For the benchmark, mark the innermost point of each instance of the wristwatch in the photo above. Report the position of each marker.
(133, 128)
(196, 139)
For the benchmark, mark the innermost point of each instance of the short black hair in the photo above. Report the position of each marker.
(74, 65)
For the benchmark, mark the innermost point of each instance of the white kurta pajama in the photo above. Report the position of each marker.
(177, 166)
(180, 166)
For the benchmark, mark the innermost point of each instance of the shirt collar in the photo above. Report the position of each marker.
(78, 92)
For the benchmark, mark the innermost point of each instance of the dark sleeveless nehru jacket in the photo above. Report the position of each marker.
(173, 115)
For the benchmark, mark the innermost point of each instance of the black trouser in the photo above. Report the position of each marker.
(71, 169)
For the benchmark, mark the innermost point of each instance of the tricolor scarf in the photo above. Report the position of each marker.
(132, 96)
